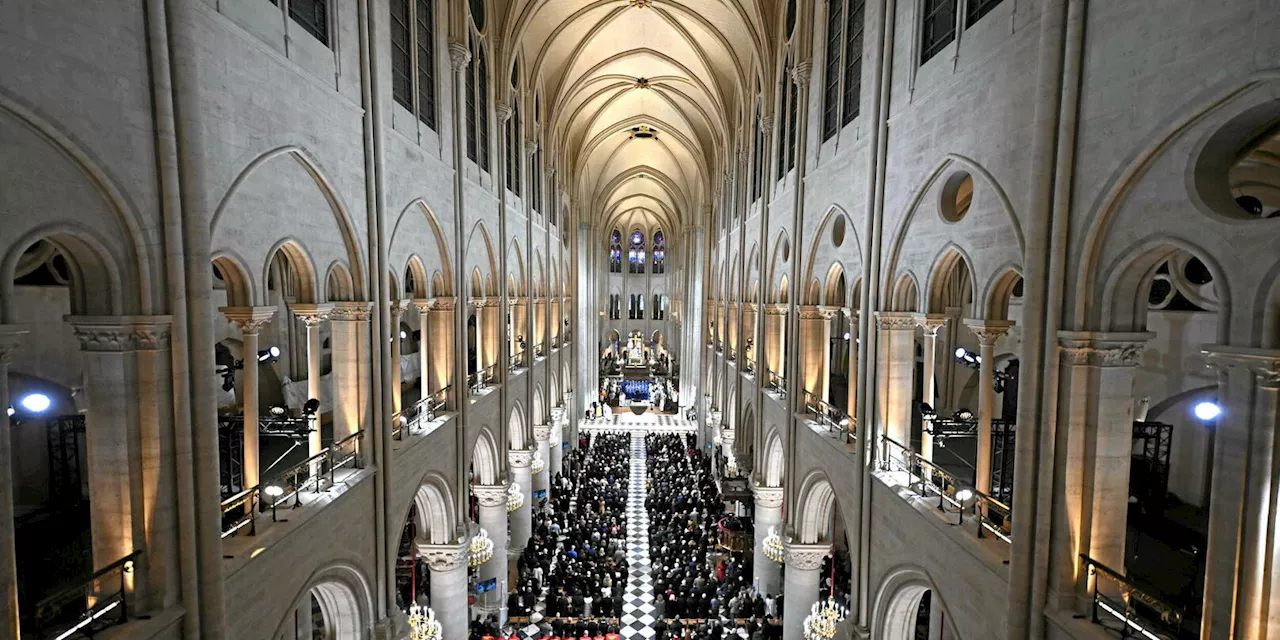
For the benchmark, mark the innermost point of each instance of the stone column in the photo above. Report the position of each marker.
(442, 345)
(489, 331)
(803, 578)
(492, 501)
(815, 350)
(749, 350)
(520, 462)
(542, 479)
(520, 320)
(555, 319)
(988, 331)
(311, 316)
(898, 342)
(775, 347)
(396, 382)
(768, 513)
(731, 331)
(11, 337)
(349, 330)
(1244, 545)
(250, 321)
(539, 324)
(930, 324)
(423, 307)
(557, 442)
(1095, 411)
(448, 564)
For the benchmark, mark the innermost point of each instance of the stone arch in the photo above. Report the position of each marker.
(951, 280)
(834, 293)
(97, 284)
(239, 287)
(303, 270)
(415, 278)
(480, 256)
(539, 414)
(775, 460)
(434, 509)
(443, 265)
(1268, 302)
(516, 428)
(821, 238)
(485, 463)
(1127, 282)
(905, 294)
(345, 599)
(816, 508)
(898, 600)
(338, 284)
(999, 291)
(783, 293)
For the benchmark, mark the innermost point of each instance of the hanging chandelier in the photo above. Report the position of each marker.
(772, 547)
(538, 465)
(515, 498)
(822, 620)
(481, 549)
(422, 620)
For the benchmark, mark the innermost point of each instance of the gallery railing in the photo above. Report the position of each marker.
(480, 380)
(516, 360)
(424, 410)
(837, 422)
(89, 605)
(240, 511)
(992, 516)
(776, 382)
(1139, 612)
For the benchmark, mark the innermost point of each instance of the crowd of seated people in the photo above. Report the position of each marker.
(573, 572)
(701, 592)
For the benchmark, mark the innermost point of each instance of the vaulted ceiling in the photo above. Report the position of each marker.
(642, 96)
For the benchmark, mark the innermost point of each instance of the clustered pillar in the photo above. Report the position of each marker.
(492, 503)
(448, 564)
(801, 589)
(768, 515)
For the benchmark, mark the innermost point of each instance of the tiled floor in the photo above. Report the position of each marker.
(637, 605)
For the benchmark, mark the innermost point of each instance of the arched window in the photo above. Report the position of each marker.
(535, 171)
(787, 112)
(842, 86)
(757, 160)
(514, 143)
(413, 58)
(478, 102)
(659, 253)
(615, 252)
(659, 307)
(636, 255)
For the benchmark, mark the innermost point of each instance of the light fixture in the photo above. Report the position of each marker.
(963, 495)
(960, 352)
(481, 548)
(772, 547)
(270, 353)
(422, 621)
(515, 498)
(11, 411)
(36, 402)
(277, 410)
(1207, 411)
(964, 415)
(847, 336)
(273, 490)
(403, 335)
(823, 619)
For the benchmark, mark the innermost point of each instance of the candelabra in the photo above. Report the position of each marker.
(823, 619)
(515, 498)
(481, 549)
(423, 622)
(772, 547)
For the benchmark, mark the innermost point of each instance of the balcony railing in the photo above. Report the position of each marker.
(1137, 612)
(425, 410)
(241, 510)
(516, 360)
(89, 605)
(539, 350)
(748, 365)
(776, 383)
(480, 380)
(991, 515)
(837, 422)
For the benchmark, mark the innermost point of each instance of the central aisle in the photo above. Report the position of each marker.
(637, 607)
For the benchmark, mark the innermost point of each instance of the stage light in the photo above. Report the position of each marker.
(847, 336)
(273, 490)
(277, 410)
(36, 403)
(270, 353)
(403, 335)
(963, 495)
(11, 411)
(960, 352)
(1207, 411)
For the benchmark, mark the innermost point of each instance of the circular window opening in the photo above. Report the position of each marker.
(957, 195)
(837, 231)
(1196, 272)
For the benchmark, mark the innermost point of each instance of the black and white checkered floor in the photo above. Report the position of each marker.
(637, 604)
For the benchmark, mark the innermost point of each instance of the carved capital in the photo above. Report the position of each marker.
(443, 304)
(542, 433)
(504, 111)
(896, 321)
(459, 56)
(398, 307)
(12, 337)
(121, 333)
(490, 495)
(766, 124)
(801, 73)
(312, 315)
(1097, 349)
(775, 309)
(421, 304)
(806, 557)
(531, 147)
(520, 458)
(767, 497)
(931, 323)
(350, 312)
(444, 557)
(815, 312)
(249, 320)
(1264, 364)
(988, 331)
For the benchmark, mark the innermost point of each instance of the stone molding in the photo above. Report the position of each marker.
(801, 73)
(806, 557)
(459, 56)
(1099, 349)
(249, 320)
(398, 307)
(931, 322)
(503, 111)
(768, 497)
(12, 337)
(421, 304)
(766, 125)
(815, 312)
(445, 557)
(542, 433)
(775, 309)
(896, 320)
(350, 312)
(444, 303)
(987, 331)
(490, 495)
(520, 458)
(121, 333)
(1263, 363)
(311, 314)
(482, 303)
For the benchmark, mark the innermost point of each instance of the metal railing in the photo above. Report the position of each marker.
(539, 350)
(1140, 613)
(424, 410)
(241, 510)
(776, 382)
(748, 365)
(516, 360)
(835, 419)
(89, 605)
(991, 515)
(480, 380)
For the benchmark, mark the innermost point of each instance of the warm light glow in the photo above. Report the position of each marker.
(403, 335)
(1208, 410)
(963, 495)
(10, 410)
(36, 403)
(275, 491)
(847, 336)
(960, 352)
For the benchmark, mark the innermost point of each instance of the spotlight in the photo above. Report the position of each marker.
(960, 352)
(36, 403)
(270, 353)
(277, 410)
(927, 412)
(963, 495)
(311, 407)
(273, 490)
(964, 415)
(11, 411)
(403, 335)
(847, 336)
(1204, 410)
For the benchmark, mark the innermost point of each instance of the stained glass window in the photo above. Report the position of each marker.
(615, 252)
(659, 253)
(636, 254)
